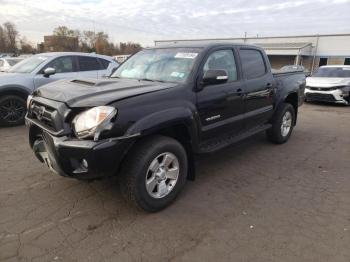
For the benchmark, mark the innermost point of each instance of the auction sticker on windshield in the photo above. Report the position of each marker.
(186, 55)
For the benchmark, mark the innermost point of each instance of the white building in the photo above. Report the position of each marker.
(311, 51)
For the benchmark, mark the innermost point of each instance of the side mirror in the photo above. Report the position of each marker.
(214, 77)
(49, 71)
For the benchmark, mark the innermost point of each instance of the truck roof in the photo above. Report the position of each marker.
(203, 45)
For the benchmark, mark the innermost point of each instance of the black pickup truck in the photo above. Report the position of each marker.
(157, 111)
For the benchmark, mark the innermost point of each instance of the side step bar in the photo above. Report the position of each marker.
(213, 145)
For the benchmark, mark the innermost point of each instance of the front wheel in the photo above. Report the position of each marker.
(12, 110)
(282, 124)
(153, 173)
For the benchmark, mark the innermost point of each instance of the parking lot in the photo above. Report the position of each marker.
(254, 201)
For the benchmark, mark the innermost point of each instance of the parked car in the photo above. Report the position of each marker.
(7, 62)
(329, 84)
(157, 111)
(37, 70)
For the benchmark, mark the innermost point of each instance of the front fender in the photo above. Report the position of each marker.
(167, 118)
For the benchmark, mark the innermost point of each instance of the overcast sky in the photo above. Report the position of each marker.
(145, 21)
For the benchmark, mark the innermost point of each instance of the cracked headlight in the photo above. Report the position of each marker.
(91, 122)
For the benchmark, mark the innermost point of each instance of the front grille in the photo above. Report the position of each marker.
(42, 113)
(324, 88)
(320, 97)
(46, 116)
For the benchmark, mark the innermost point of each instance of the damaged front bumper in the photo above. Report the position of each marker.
(339, 96)
(80, 159)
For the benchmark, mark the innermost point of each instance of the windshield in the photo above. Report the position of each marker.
(28, 65)
(12, 62)
(333, 72)
(168, 65)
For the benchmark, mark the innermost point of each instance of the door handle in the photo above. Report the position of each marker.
(268, 85)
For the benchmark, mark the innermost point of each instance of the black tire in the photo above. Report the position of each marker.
(136, 165)
(274, 134)
(12, 110)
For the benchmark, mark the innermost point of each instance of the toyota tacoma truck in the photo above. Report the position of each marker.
(157, 111)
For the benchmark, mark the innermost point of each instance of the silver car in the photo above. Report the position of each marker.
(329, 84)
(40, 69)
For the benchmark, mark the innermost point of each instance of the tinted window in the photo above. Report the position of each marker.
(323, 61)
(88, 63)
(347, 61)
(62, 64)
(224, 60)
(104, 63)
(253, 64)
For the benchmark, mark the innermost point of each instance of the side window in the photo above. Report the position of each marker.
(222, 59)
(87, 63)
(104, 63)
(1, 63)
(253, 64)
(347, 61)
(62, 64)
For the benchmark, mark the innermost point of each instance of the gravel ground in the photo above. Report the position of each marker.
(254, 201)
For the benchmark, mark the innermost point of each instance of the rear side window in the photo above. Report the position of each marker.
(253, 64)
(87, 63)
(1, 63)
(104, 63)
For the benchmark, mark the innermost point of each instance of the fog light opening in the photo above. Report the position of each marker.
(83, 167)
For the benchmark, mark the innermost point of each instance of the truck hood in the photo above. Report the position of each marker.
(327, 81)
(92, 92)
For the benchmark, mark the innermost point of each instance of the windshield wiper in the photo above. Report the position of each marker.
(150, 80)
(146, 79)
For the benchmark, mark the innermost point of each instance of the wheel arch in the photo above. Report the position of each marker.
(15, 90)
(178, 124)
(293, 99)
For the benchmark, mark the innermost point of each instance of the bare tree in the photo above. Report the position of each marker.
(25, 46)
(2, 40)
(12, 36)
(63, 31)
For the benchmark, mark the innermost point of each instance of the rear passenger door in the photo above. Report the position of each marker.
(88, 67)
(259, 87)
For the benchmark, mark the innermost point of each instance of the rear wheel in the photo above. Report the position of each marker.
(12, 110)
(282, 124)
(153, 173)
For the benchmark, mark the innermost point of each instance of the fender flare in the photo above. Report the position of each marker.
(167, 118)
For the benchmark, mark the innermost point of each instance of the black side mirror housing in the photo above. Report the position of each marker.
(214, 77)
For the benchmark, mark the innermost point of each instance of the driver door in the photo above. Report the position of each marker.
(65, 67)
(221, 106)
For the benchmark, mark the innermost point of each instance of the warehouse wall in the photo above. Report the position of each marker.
(277, 61)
